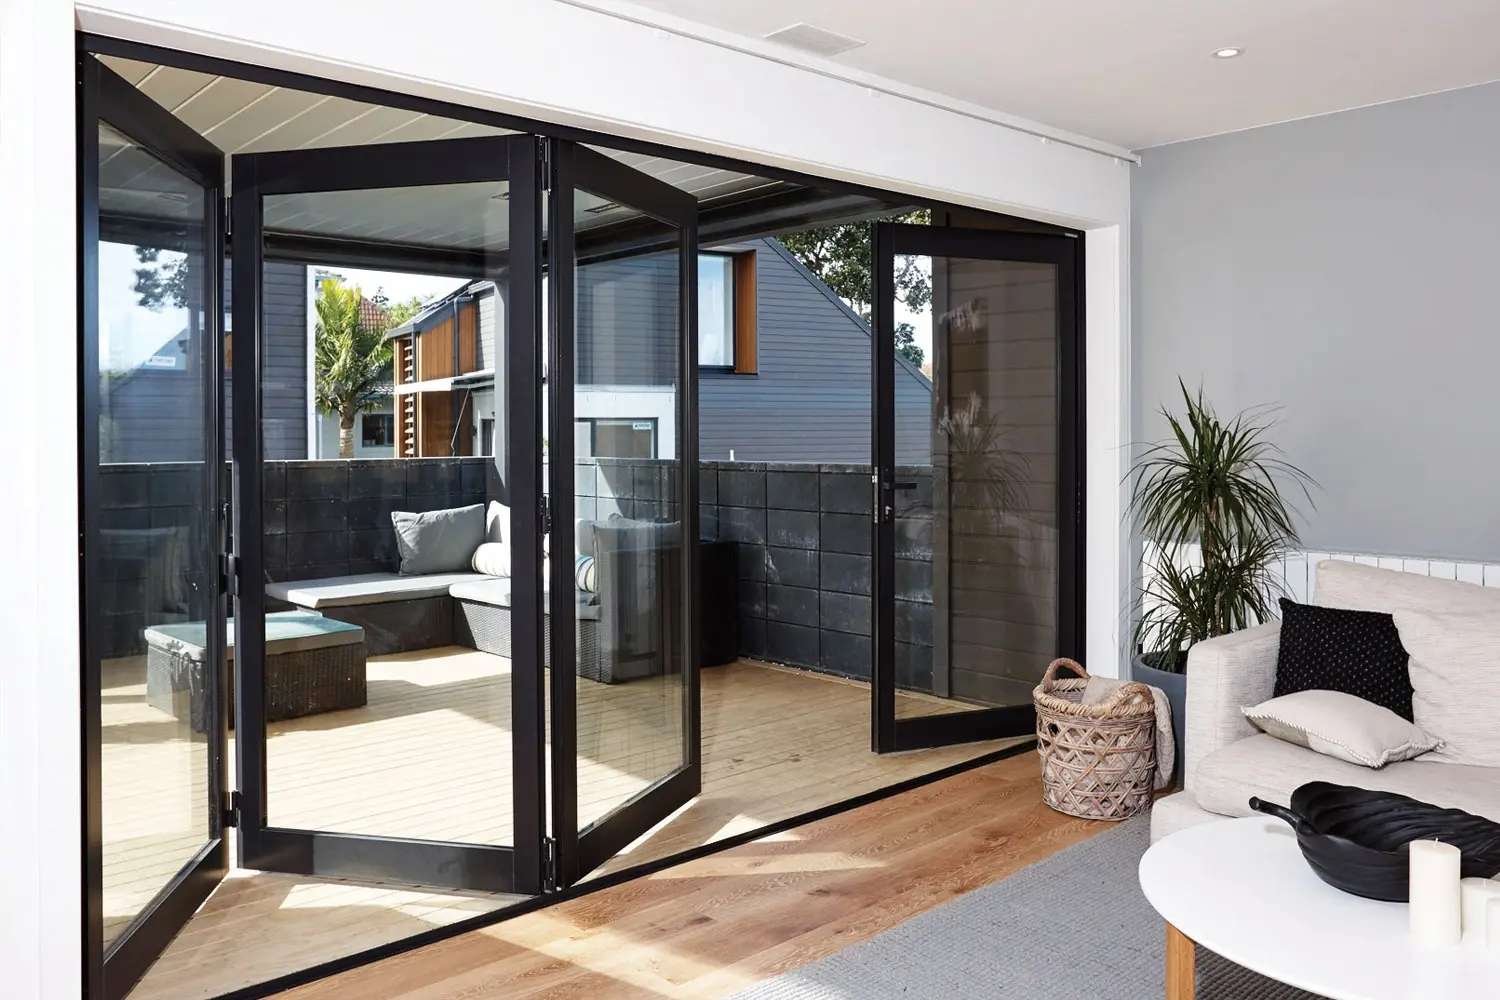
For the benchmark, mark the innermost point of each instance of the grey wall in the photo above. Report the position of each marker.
(1344, 267)
(155, 414)
(810, 401)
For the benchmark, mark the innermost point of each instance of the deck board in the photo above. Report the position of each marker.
(429, 758)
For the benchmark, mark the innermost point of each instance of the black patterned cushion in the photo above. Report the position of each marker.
(1331, 649)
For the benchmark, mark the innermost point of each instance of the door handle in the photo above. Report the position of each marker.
(902, 485)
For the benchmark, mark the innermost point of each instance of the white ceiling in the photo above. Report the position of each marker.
(1140, 73)
(239, 116)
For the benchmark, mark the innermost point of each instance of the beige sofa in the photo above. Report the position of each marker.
(1227, 760)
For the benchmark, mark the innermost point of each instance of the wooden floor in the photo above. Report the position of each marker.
(429, 758)
(706, 929)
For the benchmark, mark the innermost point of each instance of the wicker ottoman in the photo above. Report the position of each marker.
(313, 664)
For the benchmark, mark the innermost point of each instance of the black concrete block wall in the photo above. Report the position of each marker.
(333, 518)
(320, 518)
(802, 532)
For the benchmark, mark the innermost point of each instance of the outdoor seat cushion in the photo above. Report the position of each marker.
(1264, 766)
(496, 592)
(366, 588)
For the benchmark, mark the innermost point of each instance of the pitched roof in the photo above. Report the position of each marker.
(373, 315)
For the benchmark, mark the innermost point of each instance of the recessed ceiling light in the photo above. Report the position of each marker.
(1228, 53)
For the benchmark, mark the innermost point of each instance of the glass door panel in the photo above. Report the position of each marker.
(389, 680)
(422, 726)
(976, 525)
(622, 290)
(153, 527)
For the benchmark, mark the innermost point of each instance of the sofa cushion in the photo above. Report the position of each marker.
(1343, 726)
(1264, 766)
(496, 522)
(365, 588)
(1455, 669)
(496, 593)
(438, 541)
(1335, 649)
(1369, 588)
(492, 559)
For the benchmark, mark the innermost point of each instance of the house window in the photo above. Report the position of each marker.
(486, 436)
(615, 437)
(726, 311)
(378, 430)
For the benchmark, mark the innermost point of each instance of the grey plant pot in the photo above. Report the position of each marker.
(1175, 686)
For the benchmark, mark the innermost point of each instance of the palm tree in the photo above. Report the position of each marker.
(353, 359)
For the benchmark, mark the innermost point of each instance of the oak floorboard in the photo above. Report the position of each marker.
(424, 759)
(710, 927)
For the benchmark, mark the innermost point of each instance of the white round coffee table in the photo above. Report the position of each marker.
(1241, 889)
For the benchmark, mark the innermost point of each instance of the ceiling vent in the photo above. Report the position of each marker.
(811, 38)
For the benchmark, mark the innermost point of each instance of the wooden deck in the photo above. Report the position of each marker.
(429, 758)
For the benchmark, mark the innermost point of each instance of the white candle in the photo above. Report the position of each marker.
(1436, 918)
(1476, 894)
(1492, 922)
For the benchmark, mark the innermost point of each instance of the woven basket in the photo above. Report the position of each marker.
(1098, 761)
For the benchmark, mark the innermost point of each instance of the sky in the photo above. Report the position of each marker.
(399, 286)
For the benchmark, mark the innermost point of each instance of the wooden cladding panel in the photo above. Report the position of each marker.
(746, 339)
(468, 339)
(435, 424)
(435, 352)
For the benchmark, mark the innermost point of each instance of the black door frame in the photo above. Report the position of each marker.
(888, 733)
(576, 167)
(104, 96)
(516, 158)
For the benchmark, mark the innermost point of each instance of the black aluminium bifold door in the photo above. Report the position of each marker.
(150, 269)
(978, 522)
(625, 756)
(474, 202)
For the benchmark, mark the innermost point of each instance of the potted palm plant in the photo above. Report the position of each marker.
(1208, 503)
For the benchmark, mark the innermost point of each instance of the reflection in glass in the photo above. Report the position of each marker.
(156, 544)
(715, 310)
(977, 532)
(628, 540)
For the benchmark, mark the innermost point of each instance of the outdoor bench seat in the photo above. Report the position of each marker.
(482, 621)
(399, 614)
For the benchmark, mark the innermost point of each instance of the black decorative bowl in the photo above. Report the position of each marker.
(1355, 839)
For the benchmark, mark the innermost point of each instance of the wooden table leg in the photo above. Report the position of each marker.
(1181, 959)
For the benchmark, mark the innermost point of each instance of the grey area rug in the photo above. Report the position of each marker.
(1072, 927)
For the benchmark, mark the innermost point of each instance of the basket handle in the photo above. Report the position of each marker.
(1125, 693)
(1063, 661)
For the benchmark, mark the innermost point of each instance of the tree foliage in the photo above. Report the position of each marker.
(160, 282)
(352, 357)
(842, 258)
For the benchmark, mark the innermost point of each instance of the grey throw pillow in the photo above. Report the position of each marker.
(438, 541)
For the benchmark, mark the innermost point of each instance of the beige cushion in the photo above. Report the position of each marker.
(1455, 677)
(496, 522)
(1272, 769)
(492, 559)
(1343, 726)
(365, 588)
(1358, 587)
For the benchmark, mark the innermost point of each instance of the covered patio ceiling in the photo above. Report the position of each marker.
(457, 228)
